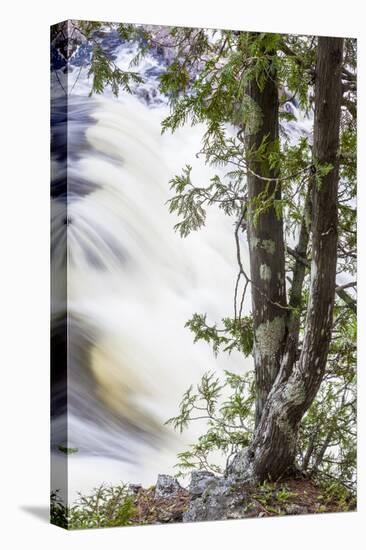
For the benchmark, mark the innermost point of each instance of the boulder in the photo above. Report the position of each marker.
(221, 499)
(295, 509)
(166, 486)
(200, 479)
(135, 487)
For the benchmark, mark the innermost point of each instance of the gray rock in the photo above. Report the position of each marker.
(200, 479)
(135, 487)
(295, 509)
(166, 486)
(221, 499)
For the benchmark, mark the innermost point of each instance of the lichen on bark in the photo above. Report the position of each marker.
(268, 245)
(265, 272)
(269, 336)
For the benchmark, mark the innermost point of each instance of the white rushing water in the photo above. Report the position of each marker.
(133, 283)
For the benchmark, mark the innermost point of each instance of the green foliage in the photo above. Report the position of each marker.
(322, 170)
(227, 410)
(334, 491)
(237, 334)
(297, 66)
(273, 496)
(326, 445)
(67, 450)
(105, 73)
(88, 28)
(199, 90)
(58, 512)
(107, 506)
(265, 201)
(175, 80)
(327, 437)
(347, 214)
(190, 201)
(188, 204)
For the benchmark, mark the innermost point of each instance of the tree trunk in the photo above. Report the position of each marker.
(265, 239)
(272, 450)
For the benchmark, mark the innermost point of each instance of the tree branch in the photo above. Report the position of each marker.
(347, 299)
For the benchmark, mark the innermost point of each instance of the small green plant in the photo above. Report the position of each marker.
(283, 495)
(106, 506)
(272, 497)
(336, 493)
(68, 450)
(58, 511)
(265, 498)
(321, 509)
(227, 407)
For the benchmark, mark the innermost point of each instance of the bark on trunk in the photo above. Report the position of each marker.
(266, 245)
(272, 450)
(295, 298)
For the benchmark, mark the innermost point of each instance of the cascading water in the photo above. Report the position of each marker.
(132, 283)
